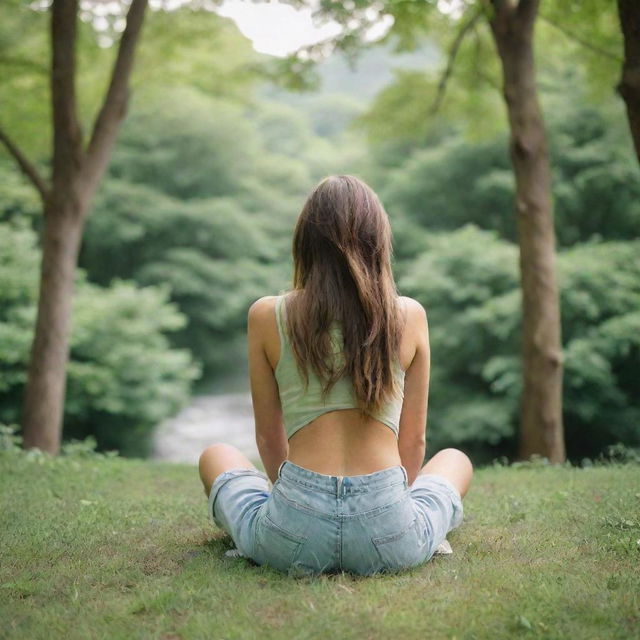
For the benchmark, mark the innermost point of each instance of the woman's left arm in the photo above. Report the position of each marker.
(271, 437)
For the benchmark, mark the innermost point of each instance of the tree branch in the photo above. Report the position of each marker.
(500, 6)
(451, 59)
(67, 136)
(585, 43)
(28, 169)
(477, 67)
(527, 10)
(499, 16)
(114, 106)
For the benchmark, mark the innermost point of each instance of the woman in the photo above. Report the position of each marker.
(339, 371)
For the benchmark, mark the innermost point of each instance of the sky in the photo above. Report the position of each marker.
(278, 29)
(274, 28)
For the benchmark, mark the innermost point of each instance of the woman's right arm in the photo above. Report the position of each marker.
(413, 419)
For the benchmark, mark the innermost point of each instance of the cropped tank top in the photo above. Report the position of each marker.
(301, 405)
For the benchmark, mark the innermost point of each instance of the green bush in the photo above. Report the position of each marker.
(596, 186)
(210, 253)
(123, 377)
(601, 332)
(468, 281)
(202, 197)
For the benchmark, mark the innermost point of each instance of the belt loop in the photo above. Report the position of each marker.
(280, 467)
(406, 475)
(339, 486)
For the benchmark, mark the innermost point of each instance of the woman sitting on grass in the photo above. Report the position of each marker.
(339, 370)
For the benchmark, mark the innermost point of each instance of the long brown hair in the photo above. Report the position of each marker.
(342, 273)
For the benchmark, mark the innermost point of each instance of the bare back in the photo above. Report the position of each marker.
(344, 442)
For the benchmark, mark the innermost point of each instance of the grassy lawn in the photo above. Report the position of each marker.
(96, 547)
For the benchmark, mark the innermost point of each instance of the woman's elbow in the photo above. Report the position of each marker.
(268, 441)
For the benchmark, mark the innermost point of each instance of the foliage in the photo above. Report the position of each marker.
(426, 187)
(19, 261)
(10, 440)
(134, 224)
(187, 144)
(468, 281)
(24, 87)
(202, 196)
(18, 198)
(11, 443)
(195, 202)
(414, 106)
(396, 114)
(586, 35)
(122, 376)
(331, 115)
(600, 306)
(219, 61)
(596, 184)
(619, 453)
(579, 33)
(308, 141)
(595, 173)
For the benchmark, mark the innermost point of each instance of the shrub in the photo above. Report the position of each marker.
(468, 282)
(123, 377)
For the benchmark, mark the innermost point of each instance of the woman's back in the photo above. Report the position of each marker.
(344, 441)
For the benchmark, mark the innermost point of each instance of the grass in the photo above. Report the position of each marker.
(94, 547)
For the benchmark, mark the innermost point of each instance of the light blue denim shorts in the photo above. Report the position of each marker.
(311, 523)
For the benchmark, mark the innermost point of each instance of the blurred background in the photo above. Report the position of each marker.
(225, 135)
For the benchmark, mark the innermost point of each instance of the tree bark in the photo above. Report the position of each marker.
(46, 382)
(76, 173)
(629, 85)
(541, 429)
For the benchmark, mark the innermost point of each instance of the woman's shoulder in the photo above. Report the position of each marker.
(412, 308)
(262, 308)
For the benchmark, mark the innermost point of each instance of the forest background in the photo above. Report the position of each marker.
(193, 220)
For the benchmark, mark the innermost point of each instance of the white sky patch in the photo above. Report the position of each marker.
(455, 8)
(274, 28)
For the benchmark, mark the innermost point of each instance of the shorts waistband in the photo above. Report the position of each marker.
(342, 485)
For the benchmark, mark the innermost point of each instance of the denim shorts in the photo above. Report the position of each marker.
(311, 523)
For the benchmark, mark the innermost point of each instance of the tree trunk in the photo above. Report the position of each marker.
(541, 429)
(45, 391)
(76, 174)
(629, 85)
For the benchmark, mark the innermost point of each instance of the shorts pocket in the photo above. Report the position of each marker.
(276, 547)
(402, 549)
